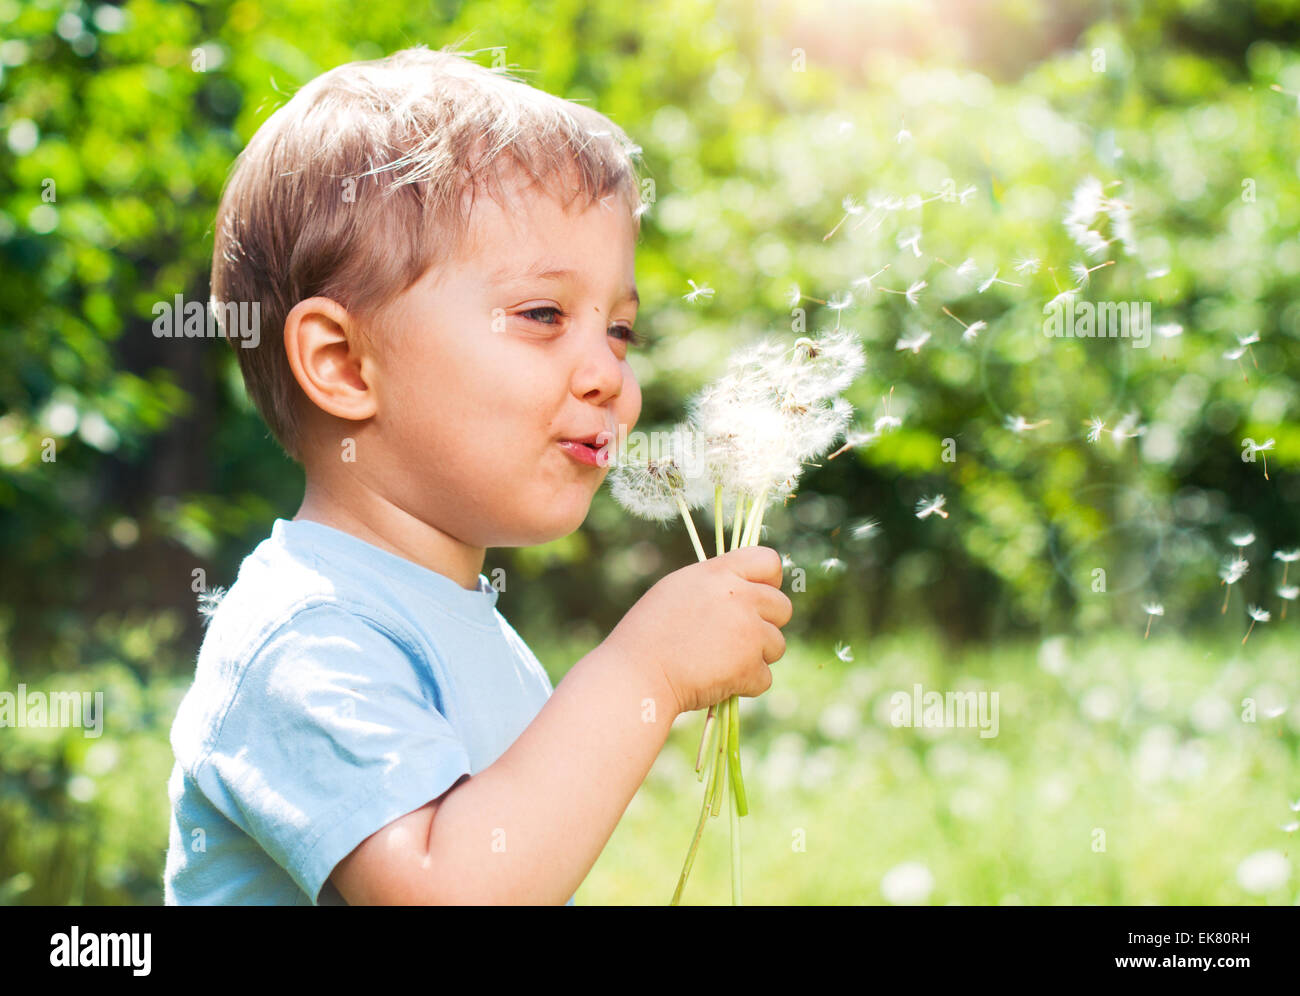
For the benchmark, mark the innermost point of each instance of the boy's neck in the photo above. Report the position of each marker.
(368, 516)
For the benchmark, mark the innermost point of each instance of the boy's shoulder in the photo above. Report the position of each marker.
(312, 606)
(283, 589)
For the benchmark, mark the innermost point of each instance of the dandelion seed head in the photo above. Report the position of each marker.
(914, 291)
(974, 329)
(1287, 556)
(1241, 539)
(1153, 609)
(1248, 340)
(1096, 428)
(844, 652)
(1258, 614)
(1169, 330)
(1289, 592)
(832, 564)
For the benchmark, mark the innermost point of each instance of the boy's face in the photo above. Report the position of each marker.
(492, 359)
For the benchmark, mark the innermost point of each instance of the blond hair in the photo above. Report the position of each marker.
(366, 178)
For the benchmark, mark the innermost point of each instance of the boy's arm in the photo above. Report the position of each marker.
(528, 828)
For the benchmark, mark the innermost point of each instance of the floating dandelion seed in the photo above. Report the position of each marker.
(832, 564)
(1156, 274)
(911, 240)
(931, 506)
(967, 191)
(1288, 557)
(1096, 428)
(869, 527)
(883, 423)
(1255, 447)
(1128, 428)
(1288, 594)
(795, 296)
(914, 344)
(903, 134)
(1291, 827)
(914, 292)
(837, 304)
(1083, 274)
(1241, 540)
(864, 283)
(1247, 341)
(1152, 609)
(1232, 571)
(853, 439)
(971, 330)
(994, 280)
(696, 292)
(1018, 423)
(1256, 615)
(965, 269)
(844, 652)
(1237, 354)
(1294, 806)
(209, 601)
(1086, 205)
(1169, 330)
(851, 207)
(1027, 264)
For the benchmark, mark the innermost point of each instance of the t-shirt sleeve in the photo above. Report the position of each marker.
(333, 732)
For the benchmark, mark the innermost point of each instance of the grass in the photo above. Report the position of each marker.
(1122, 772)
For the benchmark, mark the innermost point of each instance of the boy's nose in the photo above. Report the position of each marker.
(599, 373)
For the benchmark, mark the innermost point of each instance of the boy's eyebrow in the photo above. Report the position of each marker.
(536, 272)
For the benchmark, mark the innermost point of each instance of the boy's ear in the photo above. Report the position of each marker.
(327, 354)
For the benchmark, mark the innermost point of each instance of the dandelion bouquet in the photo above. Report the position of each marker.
(744, 445)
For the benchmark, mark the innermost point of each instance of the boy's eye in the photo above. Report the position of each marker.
(534, 311)
(630, 335)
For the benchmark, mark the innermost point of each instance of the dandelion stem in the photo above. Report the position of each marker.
(1247, 636)
(735, 526)
(709, 728)
(717, 519)
(690, 526)
(695, 844)
(720, 762)
(733, 755)
(1224, 611)
(1148, 633)
(735, 852)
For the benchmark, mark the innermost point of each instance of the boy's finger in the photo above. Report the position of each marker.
(756, 563)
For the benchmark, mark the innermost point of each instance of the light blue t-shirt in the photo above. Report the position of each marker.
(338, 687)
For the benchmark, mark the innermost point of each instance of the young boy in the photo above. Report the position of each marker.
(443, 261)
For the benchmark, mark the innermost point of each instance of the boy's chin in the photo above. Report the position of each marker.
(557, 526)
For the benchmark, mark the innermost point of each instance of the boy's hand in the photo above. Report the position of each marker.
(712, 628)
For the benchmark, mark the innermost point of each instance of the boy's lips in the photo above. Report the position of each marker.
(589, 449)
